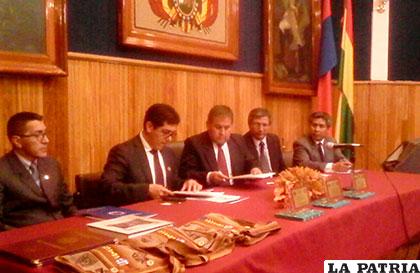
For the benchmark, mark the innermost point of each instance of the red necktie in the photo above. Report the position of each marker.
(158, 169)
(221, 161)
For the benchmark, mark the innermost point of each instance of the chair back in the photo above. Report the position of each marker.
(288, 158)
(177, 147)
(88, 193)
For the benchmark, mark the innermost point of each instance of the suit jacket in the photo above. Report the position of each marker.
(23, 202)
(305, 153)
(198, 157)
(127, 174)
(274, 150)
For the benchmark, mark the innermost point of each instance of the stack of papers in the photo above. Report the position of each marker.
(217, 197)
(130, 225)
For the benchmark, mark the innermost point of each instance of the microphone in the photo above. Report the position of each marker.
(333, 145)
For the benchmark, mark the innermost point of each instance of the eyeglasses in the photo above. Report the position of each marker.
(168, 133)
(39, 135)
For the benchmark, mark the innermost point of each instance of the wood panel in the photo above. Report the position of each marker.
(18, 94)
(386, 113)
(102, 103)
(109, 100)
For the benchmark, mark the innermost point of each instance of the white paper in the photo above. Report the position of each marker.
(253, 176)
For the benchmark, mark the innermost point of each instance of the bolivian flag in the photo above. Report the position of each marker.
(345, 111)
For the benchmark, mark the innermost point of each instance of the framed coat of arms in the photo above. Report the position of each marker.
(208, 28)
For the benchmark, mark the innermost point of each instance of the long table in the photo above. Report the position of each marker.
(365, 229)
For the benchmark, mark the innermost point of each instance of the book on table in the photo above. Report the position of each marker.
(109, 212)
(130, 225)
(42, 250)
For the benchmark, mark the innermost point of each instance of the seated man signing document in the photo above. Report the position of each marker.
(143, 168)
(314, 152)
(215, 155)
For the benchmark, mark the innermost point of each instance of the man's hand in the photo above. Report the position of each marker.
(156, 191)
(342, 166)
(191, 185)
(218, 178)
(256, 171)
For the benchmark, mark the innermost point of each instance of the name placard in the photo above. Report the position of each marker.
(359, 182)
(333, 188)
(299, 197)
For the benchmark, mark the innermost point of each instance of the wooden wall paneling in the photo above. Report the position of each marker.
(102, 103)
(18, 93)
(361, 122)
(376, 132)
(98, 105)
(57, 120)
(290, 117)
(412, 124)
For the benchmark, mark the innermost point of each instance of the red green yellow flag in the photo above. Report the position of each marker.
(344, 119)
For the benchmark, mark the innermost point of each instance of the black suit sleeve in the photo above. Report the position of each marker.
(280, 166)
(250, 161)
(117, 181)
(301, 157)
(191, 166)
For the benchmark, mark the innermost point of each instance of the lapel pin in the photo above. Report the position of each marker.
(169, 169)
(46, 177)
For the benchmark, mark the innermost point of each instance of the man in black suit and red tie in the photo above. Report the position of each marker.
(32, 187)
(143, 168)
(216, 154)
(262, 144)
(313, 151)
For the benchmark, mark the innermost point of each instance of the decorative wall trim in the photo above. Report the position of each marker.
(151, 64)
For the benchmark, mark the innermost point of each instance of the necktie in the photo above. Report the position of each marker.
(265, 165)
(35, 173)
(221, 161)
(321, 151)
(158, 169)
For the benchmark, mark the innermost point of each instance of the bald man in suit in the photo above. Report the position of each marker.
(32, 188)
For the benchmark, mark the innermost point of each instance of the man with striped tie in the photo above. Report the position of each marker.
(32, 187)
(264, 145)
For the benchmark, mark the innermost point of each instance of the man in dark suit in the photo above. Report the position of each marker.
(214, 155)
(32, 188)
(313, 151)
(143, 168)
(262, 144)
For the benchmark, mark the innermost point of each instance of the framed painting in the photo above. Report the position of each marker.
(291, 46)
(33, 37)
(208, 28)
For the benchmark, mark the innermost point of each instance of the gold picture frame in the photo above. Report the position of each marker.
(38, 45)
(182, 26)
(291, 46)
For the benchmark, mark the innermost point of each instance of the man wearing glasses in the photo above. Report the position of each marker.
(32, 188)
(143, 167)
